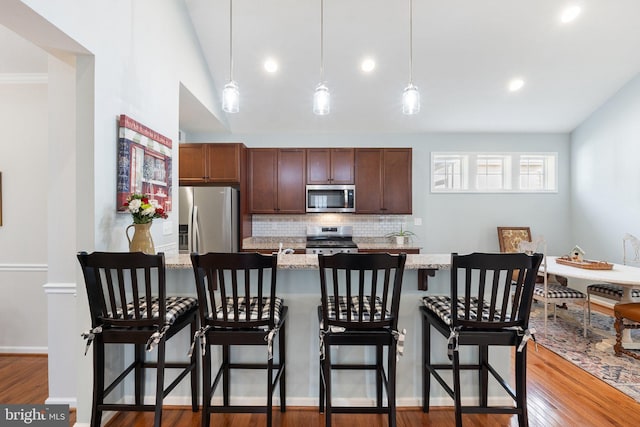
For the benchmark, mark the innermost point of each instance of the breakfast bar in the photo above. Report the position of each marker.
(298, 285)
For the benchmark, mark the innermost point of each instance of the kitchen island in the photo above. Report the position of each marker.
(298, 285)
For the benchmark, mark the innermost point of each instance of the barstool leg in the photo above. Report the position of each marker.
(206, 388)
(226, 373)
(159, 383)
(456, 388)
(194, 370)
(139, 374)
(379, 369)
(98, 381)
(521, 387)
(426, 361)
(483, 361)
(391, 386)
(283, 369)
(326, 365)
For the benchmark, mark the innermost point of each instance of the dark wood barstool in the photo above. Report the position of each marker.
(128, 305)
(239, 307)
(360, 306)
(489, 305)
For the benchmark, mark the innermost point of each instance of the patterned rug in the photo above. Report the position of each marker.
(594, 353)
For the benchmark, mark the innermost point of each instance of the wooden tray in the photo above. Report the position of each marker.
(586, 264)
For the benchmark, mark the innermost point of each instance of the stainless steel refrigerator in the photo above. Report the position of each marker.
(208, 219)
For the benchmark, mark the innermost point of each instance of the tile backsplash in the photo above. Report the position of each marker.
(296, 225)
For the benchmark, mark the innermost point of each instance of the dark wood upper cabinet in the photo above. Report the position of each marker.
(191, 163)
(277, 180)
(215, 163)
(330, 165)
(383, 180)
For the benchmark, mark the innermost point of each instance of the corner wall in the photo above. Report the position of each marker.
(605, 196)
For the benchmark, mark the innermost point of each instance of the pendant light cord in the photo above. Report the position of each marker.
(230, 40)
(321, 41)
(411, 42)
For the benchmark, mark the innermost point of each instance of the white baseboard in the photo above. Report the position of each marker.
(24, 350)
(71, 401)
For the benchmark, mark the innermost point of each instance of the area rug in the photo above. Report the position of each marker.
(594, 353)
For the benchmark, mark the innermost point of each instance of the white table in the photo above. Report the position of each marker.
(623, 275)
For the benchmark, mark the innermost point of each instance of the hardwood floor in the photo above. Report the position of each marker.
(559, 394)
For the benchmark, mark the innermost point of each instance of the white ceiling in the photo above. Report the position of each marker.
(465, 52)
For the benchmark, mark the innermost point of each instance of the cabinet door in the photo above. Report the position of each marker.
(318, 166)
(263, 179)
(397, 181)
(330, 165)
(223, 162)
(192, 163)
(368, 173)
(291, 180)
(342, 165)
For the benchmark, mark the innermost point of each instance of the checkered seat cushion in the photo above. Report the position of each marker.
(608, 290)
(441, 306)
(556, 290)
(354, 305)
(175, 306)
(253, 309)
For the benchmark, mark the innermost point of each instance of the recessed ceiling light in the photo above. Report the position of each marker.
(368, 65)
(569, 14)
(516, 84)
(271, 65)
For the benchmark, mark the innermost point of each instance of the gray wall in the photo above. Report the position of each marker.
(605, 194)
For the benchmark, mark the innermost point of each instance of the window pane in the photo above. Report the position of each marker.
(534, 173)
(447, 172)
(490, 172)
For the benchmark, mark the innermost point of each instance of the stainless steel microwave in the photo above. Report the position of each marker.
(331, 198)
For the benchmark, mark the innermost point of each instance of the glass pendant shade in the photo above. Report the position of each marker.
(321, 100)
(410, 100)
(231, 97)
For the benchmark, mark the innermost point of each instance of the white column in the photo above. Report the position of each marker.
(61, 243)
(61, 321)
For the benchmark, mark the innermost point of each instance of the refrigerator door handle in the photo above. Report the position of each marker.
(196, 231)
(190, 234)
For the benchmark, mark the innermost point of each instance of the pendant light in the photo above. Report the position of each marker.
(321, 97)
(410, 95)
(231, 94)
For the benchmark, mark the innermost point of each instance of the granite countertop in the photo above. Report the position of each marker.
(310, 262)
(299, 243)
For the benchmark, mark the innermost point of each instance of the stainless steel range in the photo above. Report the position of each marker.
(330, 239)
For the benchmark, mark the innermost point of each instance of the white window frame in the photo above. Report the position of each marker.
(511, 177)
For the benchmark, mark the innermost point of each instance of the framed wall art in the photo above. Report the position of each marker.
(144, 163)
